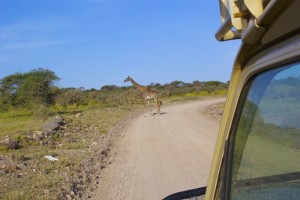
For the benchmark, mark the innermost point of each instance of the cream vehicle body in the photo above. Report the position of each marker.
(257, 154)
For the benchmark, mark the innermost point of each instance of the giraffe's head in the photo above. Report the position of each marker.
(127, 79)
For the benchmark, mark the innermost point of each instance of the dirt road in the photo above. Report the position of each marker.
(160, 155)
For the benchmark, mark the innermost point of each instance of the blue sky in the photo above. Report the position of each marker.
(91, 43)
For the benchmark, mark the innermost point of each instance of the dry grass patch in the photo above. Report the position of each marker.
(80, 139)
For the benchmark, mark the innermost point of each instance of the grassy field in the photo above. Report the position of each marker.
(26, 173)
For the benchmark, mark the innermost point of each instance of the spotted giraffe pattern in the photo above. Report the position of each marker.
(147, 94)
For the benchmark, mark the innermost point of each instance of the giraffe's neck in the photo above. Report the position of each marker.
(138, 86)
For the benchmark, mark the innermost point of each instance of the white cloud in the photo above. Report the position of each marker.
(35, 33)
(33, 44)
(33, 26)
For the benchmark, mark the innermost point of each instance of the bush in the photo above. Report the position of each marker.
(41, 112)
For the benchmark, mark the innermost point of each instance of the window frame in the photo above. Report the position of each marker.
(263, 62)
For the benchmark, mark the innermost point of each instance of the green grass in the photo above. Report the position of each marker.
(41, 178)
(17, 121)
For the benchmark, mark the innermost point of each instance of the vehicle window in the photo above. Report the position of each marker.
(266, 149)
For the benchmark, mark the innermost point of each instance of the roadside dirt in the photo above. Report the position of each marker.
(155, 156)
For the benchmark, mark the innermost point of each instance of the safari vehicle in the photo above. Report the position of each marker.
(257, 154)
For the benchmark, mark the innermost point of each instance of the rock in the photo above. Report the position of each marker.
(38, 135)
(10, 143)
(24, 158)
(22, 166)
(72, 140)
(52, 125)
(13, 144)
(78, 115)
(46, 191)
(68, 196)
(7, 165)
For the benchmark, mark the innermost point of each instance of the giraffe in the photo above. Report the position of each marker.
(147, 94)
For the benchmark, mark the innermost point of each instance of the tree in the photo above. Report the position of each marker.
(70, 97)
(108, 87)
(177, 84)
(197, 83)
(29, 89)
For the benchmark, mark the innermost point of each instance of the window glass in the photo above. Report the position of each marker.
(266, 161)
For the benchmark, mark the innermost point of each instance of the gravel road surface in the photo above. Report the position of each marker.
(161, 154)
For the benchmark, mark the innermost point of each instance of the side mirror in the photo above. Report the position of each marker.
(198, 192)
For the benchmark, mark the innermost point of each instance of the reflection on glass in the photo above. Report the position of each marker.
(266, 161)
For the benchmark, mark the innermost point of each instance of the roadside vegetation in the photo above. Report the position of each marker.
(89, 118)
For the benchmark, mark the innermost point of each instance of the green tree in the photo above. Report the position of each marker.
(71, 97)
(177, 84)
(28, 89)
(108, 87)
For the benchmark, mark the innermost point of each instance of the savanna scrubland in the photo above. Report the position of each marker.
(89, 120)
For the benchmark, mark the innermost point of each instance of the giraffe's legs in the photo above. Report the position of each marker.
(147, 106)
(157, 105)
